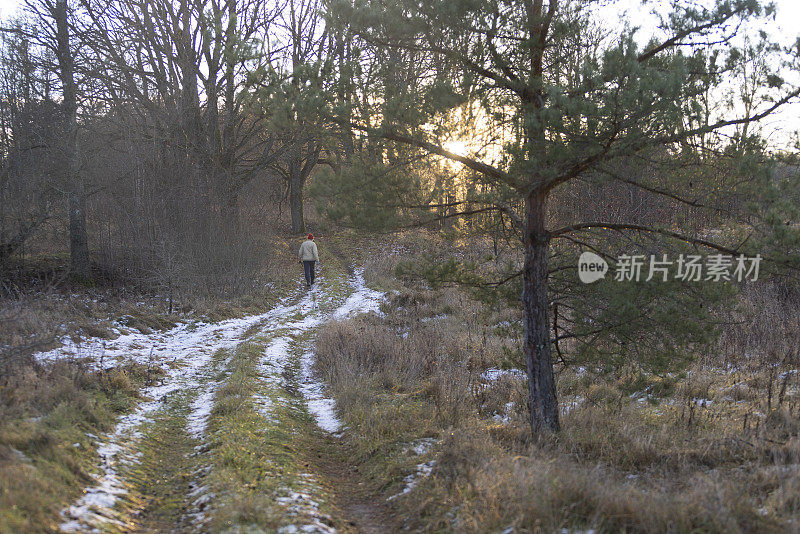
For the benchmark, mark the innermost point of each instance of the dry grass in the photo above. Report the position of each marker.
(716, 450)
(48, 411)
(45, 453)
(39, 305)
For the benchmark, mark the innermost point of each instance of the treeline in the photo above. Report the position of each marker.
(162, 138)
(168, 137)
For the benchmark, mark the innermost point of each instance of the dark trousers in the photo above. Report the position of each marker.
(308, 269)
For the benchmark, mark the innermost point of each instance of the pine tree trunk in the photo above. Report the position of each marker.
(542, 400)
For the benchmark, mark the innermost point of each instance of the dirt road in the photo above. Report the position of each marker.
(238, 436)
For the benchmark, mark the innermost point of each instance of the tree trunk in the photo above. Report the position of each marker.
(229, 222)
(542, 400)
(78, 241)
(296, 202)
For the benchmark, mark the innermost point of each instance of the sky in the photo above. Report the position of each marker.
(778, 129)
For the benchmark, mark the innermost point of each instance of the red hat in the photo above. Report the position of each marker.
(311, 236)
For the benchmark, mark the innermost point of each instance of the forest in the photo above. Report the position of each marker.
(549, 283)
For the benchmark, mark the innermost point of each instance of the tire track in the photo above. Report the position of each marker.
(132, 485)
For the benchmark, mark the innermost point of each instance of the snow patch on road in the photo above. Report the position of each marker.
(185, 342)
(197, 421)
(184, 351)
(320, 406)
(362, 300)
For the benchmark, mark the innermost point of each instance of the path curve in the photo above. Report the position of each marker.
(197, 357)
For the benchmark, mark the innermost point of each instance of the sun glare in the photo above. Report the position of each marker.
(456, 147)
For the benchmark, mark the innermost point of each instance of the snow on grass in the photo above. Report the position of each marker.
(493, 374)
(306, 316)
(201, 410)
(294, 321)
(185, 351)
(420, 446)
(320, 406)
(275, 355)
(95, 507)
(569, 403)
(505, 415)
(423, 470)
(361, 300)
(185, 342)
(269, 367)
(301, 505)
(200, 497)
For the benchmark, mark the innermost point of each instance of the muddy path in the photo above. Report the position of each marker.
(238, 436)
(363, 511)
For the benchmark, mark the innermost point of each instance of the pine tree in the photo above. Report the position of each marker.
(576, 102)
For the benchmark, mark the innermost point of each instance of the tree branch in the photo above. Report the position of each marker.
(562, 232)
(483, 168)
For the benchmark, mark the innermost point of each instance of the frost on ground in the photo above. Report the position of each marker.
(200, 498)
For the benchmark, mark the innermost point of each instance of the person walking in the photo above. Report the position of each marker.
(309, 256)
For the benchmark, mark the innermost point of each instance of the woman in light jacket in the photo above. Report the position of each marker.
(309, 256)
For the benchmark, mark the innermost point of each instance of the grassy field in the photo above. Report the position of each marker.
(433, 403)
(52, 415)
(46, 459)
(438, 418)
